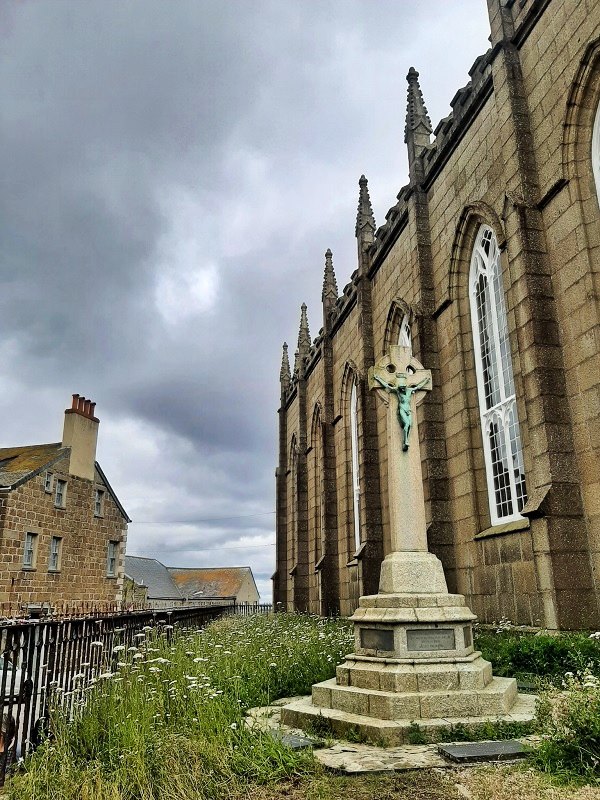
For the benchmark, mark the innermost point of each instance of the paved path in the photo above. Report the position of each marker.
(347, 756)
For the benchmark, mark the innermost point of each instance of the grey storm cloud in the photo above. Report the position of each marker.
(171, 174)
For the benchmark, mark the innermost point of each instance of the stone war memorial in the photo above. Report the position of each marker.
(486, 268)
(414, 659)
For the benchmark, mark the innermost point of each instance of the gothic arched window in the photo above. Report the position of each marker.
(355, 465)
(293, 499)
(596, 151)
(495, 382)
(404, 336)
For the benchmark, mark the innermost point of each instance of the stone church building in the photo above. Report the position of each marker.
(488, 266)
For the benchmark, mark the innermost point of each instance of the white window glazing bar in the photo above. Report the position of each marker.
(355, 465)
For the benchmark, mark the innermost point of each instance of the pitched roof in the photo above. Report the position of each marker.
(210, 581)
(155, 576)
(19, 464)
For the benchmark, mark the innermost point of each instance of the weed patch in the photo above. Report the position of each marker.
(168, 721)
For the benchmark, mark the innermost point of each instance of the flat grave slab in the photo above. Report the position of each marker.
(483, 751)
(293, 740)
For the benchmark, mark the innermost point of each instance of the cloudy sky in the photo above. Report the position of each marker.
(171, 175)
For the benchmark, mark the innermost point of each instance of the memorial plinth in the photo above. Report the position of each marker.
(414, 659)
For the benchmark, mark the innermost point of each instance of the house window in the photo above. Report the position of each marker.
(355, 465)
(111, 559)
(55, 549)
(497, 403)
(60, 494)
(404, 336)
(30, 551)
(48, 482)
(98, 503)
(596, 151)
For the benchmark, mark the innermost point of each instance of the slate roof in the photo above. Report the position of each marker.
(155, 576)
(209, 581)
(19, 464)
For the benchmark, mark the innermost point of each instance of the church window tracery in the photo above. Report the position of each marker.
(404, 336)
(495, 381)
(596, 151)
(355, 464)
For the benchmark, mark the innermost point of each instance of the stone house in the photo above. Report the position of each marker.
(62, 528)
(488, 267)
(149, 581)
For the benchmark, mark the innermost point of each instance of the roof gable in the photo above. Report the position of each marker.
(155, 576)
(210, 581)
(20, 464)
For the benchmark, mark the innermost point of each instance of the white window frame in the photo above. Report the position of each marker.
(355, 464)
(48, 482)
(99, 502)
(596, 151)
(55, 567)
(30, 547)
(112, 556)
(497, 400)
(405, 333)
(60, 498)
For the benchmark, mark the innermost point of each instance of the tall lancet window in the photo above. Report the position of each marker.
(495, 382)
(355, 469)
(596, 151)
(294, 501)
(404, 335)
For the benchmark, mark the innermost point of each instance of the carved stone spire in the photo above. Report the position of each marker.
(303, 334)
(365, 221)
(330, 289)
(284, 374)
(417, 131)
(303, 340)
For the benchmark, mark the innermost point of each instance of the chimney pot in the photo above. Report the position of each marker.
(80, 434)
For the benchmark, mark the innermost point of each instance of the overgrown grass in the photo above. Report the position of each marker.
(570, 721)
(168, 722)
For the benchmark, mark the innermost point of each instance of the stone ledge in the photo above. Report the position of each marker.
(495, 698)
(392, 733)
(416, 661)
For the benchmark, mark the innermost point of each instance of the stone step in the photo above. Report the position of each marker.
(380, 676)
(496, 698)
(303, 713)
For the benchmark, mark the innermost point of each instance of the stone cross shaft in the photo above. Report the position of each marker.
(401, 382)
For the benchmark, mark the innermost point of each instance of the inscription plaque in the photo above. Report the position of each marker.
(431, 639)
(376, 639)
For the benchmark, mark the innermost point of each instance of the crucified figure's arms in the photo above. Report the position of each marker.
(420, 385)
(387, 386)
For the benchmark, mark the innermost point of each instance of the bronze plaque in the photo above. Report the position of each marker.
(430, 639)
(376, 639)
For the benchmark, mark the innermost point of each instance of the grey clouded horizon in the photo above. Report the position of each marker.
(171, 176)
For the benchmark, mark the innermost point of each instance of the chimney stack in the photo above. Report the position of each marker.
(80, 433)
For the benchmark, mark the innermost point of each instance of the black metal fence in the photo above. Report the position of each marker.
(40, 659)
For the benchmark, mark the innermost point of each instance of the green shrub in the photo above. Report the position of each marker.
(539, 656)
(569, 719)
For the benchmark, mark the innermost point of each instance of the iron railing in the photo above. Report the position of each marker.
(44, 658)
